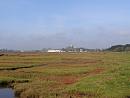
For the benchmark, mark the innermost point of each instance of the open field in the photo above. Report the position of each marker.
(67, 75)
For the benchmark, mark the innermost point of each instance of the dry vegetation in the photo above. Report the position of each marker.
(67, 75)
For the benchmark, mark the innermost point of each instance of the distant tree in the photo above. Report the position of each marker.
(119, 48)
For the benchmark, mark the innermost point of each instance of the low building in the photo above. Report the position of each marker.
(54, 50)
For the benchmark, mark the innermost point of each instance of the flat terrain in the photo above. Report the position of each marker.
(67, 75)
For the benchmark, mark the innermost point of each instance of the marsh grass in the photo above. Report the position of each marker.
(67, 75)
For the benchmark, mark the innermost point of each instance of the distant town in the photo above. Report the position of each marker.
(72, 48)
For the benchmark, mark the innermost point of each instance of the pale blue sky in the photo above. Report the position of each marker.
(37, 24)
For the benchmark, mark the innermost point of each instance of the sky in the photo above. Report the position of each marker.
(37, 24)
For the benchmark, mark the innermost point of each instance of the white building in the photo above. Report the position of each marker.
(54, 50)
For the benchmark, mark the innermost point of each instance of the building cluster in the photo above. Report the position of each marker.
(70, 48)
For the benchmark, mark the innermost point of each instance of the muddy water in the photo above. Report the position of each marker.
(6, 93)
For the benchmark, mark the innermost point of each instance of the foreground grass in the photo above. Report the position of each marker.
(67, 75)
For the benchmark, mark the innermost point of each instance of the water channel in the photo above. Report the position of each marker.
(6, 93)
